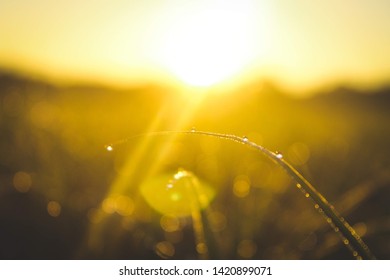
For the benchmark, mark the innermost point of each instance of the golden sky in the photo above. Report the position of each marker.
(302, 44)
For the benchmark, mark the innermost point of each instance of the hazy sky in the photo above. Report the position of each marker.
(201, 42)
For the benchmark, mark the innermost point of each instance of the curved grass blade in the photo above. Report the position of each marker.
(348, 235)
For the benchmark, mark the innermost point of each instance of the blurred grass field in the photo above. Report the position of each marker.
(64, 196)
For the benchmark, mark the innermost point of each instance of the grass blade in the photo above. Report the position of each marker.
(348, 235)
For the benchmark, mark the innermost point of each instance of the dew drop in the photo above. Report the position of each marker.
(346, 241)
(181, 174)
(171, 184)
(329, 220)
(109, 148)
(299, 186)
(355, 254)
(336, 229)
(307, 195)
(278, 155)
(193, 129)
(245, 139)
(316, 206)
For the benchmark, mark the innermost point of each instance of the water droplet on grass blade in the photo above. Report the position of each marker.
(245, 139)
(109, 148)
(278, 155)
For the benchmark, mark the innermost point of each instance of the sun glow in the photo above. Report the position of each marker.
(210, 46)
(200, 43)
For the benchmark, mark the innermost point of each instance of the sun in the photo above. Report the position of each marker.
(208, 47)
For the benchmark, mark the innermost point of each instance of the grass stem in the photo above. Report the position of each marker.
(348, 235)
